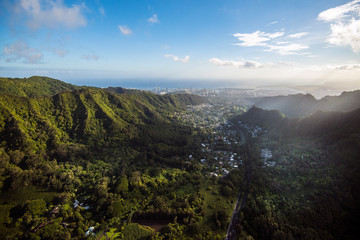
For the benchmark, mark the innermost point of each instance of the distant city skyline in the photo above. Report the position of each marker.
(245, 42)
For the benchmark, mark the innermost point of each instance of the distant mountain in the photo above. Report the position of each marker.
(315, 167)
(263, 118)
(302, 105)
(33, 86)
(176, 99)
(328, 127)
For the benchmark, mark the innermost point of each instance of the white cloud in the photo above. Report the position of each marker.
(125, 30)
(340, 12)
(154, 19)
(281, 43)
(298, 35)
(256, 38)
(21, 51)
(285, 63)
(345, 26)
(275, 35)
(309, 55)
(290, 49)
(345, 67)
(346, 34)
(48, 13)
(267, 40)
(237, 64)
(274, 22)
(90, 57)
(175, 58)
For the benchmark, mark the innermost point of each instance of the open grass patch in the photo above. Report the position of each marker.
(213, 203)
(185, 189)
(27, 193)
(134, 231)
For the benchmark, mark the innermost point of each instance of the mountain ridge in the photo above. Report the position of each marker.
(326, 126)
(84, 113)
(34, 86)
(301, 105)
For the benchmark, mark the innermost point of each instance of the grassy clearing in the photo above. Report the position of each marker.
(135, 231)
(213, 202)
(27, 193)
(185, 189)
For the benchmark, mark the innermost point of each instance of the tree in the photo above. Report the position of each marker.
(118, 207)
(122, 186)
(36, 207)
(221, 218)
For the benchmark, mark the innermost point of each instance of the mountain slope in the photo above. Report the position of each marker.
(161, 100)
(263, 118)
(302, 105)
(33, 86)
(84, 115)
(328, 126)
(307, 183)
(78, 158)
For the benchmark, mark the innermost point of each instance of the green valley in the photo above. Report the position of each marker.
(116, 163)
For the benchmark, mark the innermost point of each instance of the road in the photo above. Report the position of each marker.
(242, 198)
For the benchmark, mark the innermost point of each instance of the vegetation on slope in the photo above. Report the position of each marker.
(100, 159)
(264, 118)
(33, 86)
(301, 105)
(310, 189)
(90, 163)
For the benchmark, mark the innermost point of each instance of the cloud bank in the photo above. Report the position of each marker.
(267, 40)
(237, 64)
(340, 13)
(287, 49)
(345, 25)
(256, 38)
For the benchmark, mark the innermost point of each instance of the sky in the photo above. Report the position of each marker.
(244, 42)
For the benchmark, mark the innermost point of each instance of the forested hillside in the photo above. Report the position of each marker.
(88, 163)
(89, 116)
(91, 161)
(308, 185)
(33, 86)
(301, 105)
(258, 116)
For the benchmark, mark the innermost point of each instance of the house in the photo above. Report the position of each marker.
(90, 231)
(266, 154)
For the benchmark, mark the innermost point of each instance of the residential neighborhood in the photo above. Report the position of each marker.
(219, 153)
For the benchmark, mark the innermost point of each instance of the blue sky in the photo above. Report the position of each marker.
(243, 41)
